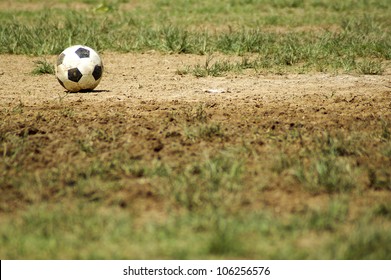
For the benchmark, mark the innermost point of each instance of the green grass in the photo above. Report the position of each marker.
(327, 174)
(205, 205)
(330, 218)
(206, 185)
(78, 230)
(204, 132)
(350, 37)
(370, 67)
(43, 67)
(365, 243)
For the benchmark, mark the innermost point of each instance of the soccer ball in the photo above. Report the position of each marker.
(79, 68)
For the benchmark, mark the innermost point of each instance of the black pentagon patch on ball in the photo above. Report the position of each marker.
(97, 73)
(60, 59)
(82, 52)
(74, 75)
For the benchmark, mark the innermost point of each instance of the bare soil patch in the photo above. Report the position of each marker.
(143, 97)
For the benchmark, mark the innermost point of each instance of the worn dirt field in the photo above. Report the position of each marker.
(142, 96)
(153, 78)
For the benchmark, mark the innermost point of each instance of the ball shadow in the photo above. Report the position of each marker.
(96, 91)
(88, 91)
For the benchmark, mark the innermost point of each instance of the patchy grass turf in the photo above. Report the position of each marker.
(206, 196)
(200, 180)
(295, 36)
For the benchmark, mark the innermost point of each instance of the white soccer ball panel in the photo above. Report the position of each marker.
(94, 57)
(86, 67)
(71, 60)
(79, 68)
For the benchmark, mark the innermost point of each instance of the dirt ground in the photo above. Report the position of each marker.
(133, 79)
(137, 90)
